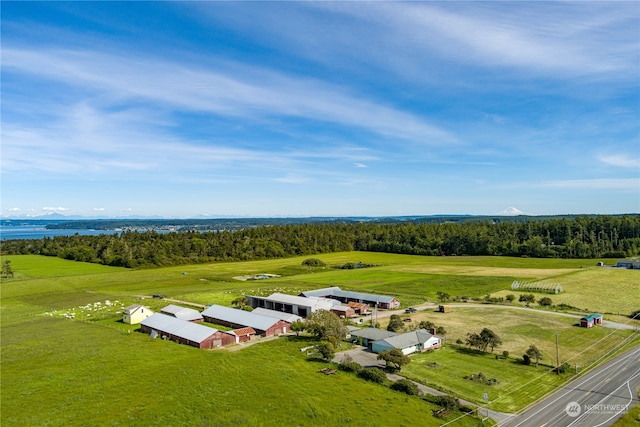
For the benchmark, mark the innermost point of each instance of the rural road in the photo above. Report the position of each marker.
(596, 399)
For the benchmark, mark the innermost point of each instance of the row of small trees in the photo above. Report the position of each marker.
(489, 339)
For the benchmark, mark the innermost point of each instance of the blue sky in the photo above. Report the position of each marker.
(320, 109)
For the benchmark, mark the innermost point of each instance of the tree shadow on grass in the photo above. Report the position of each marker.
(469, 351)
(302, 338)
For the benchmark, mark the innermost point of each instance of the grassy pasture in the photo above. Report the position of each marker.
(517, 385)
(521, 328)
(605, 290)
(64, 372)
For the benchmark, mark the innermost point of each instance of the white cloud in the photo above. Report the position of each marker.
(98, 209)
(240, 92)
(572, 39)
(621, 160)
(292, 179)
(54, 209)
(360, 165)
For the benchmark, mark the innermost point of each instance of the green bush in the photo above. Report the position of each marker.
(373, 374)
(446, 401)
(350, 367)
(406, 386)
(313, 262)
(545, 302)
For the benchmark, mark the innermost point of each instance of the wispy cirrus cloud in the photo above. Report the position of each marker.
(621, 161)
(239, 92)
(421, 40)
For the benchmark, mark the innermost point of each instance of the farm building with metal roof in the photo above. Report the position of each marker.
(380, 301)
(185, 332)
(183, 313)
(293, 304)
(287, 317)
(234, 318)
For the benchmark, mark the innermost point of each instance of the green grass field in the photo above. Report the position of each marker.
(57, 371)
(517, 385)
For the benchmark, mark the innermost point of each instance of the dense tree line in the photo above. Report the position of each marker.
(581, 237)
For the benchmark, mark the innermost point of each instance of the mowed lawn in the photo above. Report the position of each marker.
(516, 386)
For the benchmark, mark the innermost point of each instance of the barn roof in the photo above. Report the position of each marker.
(592, 316)
(343, 308)
(313, 303)
(240, 317)
(182, 312)
(178, 327)
(287, 317)
(357, 305)
(408, 339)
(337, 292)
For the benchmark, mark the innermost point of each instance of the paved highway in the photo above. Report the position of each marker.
(597, 399)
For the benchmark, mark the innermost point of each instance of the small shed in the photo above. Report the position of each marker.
(135, 314)
(591, 320)
(444, 308)
(360, 308)
(243, 334)
(344, 311)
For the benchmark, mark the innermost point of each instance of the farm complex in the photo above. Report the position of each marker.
(203, 324)
(270, 316)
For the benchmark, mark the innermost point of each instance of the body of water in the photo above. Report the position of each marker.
(38, 232)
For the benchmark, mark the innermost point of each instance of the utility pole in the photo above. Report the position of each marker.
(557, 356)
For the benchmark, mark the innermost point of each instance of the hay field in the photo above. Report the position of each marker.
(603, 290)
